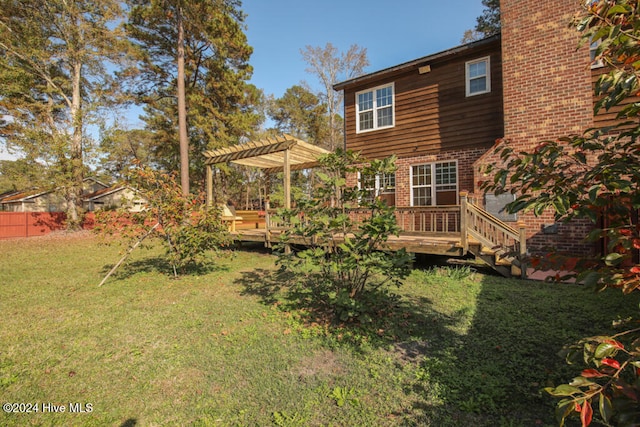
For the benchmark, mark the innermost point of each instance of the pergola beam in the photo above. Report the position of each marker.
(283, 153)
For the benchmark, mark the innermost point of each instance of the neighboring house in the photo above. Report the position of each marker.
(34, 201)
(45, 201)
(114, 197)
(441, 114)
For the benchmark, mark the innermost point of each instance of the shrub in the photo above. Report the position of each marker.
(187, 228)
(344, 259)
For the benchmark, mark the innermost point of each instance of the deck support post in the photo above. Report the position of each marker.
(267, 220)
(464, 241)
(209, 186)
(522, 229)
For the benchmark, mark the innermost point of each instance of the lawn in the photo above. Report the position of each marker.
(232, 346)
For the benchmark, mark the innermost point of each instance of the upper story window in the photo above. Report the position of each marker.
(374, 108)
(478, 76)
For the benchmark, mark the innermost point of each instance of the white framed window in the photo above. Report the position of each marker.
(478, 76)
(375, 108)
(377, 185)
(434, 184)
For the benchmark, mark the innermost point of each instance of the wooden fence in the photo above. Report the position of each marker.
(31, 224)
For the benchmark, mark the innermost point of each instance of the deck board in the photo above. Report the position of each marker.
(440, 244)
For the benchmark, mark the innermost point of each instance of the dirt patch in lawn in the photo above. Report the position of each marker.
(320, 365)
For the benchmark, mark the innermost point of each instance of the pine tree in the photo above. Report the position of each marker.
(216, 107)
(53, 81)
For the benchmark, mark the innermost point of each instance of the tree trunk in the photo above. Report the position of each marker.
(182, 110)
(74, 194)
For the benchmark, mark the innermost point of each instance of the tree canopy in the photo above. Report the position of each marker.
(219, 104)
(594, 177)
(54, 79)
(487, 24)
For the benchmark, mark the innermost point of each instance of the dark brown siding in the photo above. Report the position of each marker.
(432, 111)
(607, 117)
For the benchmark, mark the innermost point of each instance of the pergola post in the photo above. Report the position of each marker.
(209, 185)
(287, 188)
(287, 179)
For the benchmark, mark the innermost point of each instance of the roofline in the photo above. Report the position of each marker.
(416, 62)
(113, 189)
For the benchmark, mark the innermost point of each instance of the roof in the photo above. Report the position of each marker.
(416, 63)
(24, 196)
(105, 192)
(8, 194)
(269, 153)
(96, 180)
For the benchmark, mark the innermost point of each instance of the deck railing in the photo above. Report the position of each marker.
(465, 220)
(491, 232)
(412, 220)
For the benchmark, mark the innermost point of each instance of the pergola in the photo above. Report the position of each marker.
(283, 153)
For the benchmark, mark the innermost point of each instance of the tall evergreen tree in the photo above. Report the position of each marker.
(53, 79)
(301, 114)
(216, 107)
(487, 24)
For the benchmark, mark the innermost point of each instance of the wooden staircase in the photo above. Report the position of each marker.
(491, 240)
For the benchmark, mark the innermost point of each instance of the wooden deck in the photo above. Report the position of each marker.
(446, 244)
(437, 230)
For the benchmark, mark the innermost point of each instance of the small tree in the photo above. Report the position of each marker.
(594, 176)
(344, 260)
(186, 227)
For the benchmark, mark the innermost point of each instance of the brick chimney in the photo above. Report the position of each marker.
(547, 94)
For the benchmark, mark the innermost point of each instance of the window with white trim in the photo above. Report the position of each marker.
(377, 185)
(434, 184)
(478, 76)
(375, 108)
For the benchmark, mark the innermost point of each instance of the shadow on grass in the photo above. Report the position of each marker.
(403, 322)
(159, 264)
(483, 364)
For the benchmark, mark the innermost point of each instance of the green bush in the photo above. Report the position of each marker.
(343, 259)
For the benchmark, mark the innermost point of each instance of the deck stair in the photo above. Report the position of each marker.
(491, 240)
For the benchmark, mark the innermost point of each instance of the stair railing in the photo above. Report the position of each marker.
(491, 232)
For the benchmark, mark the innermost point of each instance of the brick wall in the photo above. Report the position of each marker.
(547, 93)
(466, 158)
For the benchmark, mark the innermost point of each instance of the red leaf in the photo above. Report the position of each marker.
(586, 414)
(610, 362)
(635, 270)
(636, 243)
(592, 373)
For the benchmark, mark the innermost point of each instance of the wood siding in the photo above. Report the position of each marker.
(432, 111)
(607, 117)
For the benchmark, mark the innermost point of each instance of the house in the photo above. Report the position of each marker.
(441, 114)
(113, 197)
(34, 201)
(37, 200)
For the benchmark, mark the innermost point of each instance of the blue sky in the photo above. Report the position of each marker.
(392, 32)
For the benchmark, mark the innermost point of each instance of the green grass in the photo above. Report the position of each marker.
(232, 346)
